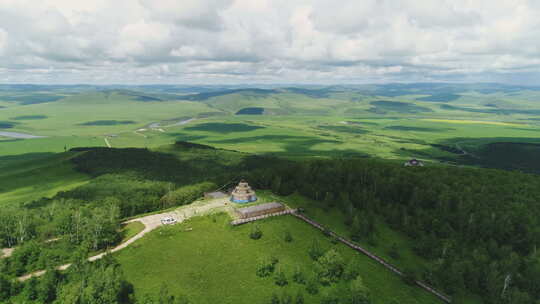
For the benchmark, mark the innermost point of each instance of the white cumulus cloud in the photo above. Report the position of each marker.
(210, 41)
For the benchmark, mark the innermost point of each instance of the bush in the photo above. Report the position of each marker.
(329, 267)
(288, 237)
(299, 298)
(281, 279)
(298, 276)
(274, 299)
(30, 290)
(372, 241)
(315, 251)
(352, 270)
(327, 232)
(286, 298)
(312, 286)
(182, 299)
(330, 297)
(255, 233)
(359, 294)
(266, 268)
(409, 276)
(394, 252)
(5, 287)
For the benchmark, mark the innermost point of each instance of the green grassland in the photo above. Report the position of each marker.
(295, 123)
(216, 263)
(401, 123)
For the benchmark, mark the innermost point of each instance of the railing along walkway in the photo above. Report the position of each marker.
(260, 217)
(380, 260)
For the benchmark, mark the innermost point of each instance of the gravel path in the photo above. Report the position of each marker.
(6, 252)
(157, 125)
(152, 222)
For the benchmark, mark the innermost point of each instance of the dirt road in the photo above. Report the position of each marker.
(107, 142)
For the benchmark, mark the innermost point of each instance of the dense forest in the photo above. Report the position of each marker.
(478, 228)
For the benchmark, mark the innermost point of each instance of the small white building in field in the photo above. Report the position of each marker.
(413, 163)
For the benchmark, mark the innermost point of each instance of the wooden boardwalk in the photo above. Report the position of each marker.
(378, 259)
(260, 217)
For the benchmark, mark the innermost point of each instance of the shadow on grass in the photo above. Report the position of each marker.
(288, 139)
(8, 160)
(223, 128)
(10, 140)
(7, 124)
(29, 117)
(107, 123)
(344, 129)
(185, 137)
(295, 145)
(384, 106)
(418, 129)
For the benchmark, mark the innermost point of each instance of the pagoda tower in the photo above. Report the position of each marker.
(243, 193)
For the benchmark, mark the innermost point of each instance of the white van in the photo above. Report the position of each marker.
(169, 220)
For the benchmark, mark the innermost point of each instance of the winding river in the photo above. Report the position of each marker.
(18, 135)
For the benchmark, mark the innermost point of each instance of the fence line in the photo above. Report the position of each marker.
(378, 259)
(260, 217)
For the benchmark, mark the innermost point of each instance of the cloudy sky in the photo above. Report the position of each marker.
(269, 41)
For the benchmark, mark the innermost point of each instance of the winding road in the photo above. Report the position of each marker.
(150, 223)
(107, 142)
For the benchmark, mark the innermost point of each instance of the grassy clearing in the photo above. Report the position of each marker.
(216, 263)
(129, 230)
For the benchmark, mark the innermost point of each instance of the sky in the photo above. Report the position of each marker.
(269, 41)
